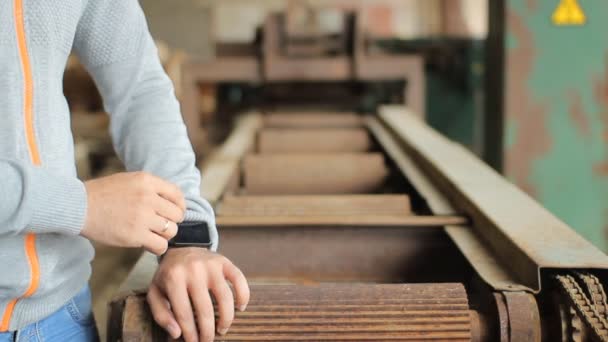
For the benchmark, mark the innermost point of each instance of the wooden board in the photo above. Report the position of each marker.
(313, 140)
(137, 322)
(313, 120)
(307, 205)
(223, 166)
(338, 220)
(314, 174)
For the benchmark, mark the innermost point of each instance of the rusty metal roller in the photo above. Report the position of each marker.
(340, 173)
(354, 312)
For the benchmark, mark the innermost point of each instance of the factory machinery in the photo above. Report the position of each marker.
(373, 227)
(378, 228)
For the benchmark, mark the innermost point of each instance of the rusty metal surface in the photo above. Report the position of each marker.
(516, 227)
(503, 317)
(479, 328)
(586, 301)
(329, 312)
(314, 174)
(433, 198)
(518, 317)
(354, 312)
(313, 140)
(329, 254)
(479, 255)
(524, 317)
(483, 259)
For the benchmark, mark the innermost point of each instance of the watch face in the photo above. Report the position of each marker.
(191, 234)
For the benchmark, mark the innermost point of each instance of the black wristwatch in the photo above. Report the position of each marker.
(191, 234)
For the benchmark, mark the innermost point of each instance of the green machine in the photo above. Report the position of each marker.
(554, 106)
(532, 100)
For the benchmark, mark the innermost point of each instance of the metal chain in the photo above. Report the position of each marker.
(576, 325)
(595, 290)
(583, 306)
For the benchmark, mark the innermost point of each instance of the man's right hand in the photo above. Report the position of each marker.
(132, 210)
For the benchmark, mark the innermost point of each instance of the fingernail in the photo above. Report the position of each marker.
(243, 307)
(173, 330)
(222, 331)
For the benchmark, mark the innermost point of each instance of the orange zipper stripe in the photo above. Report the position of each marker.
(6, 318)
(28, 84)
(32, 258)
(28, 114)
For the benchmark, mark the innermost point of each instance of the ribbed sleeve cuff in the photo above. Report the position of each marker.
(58, 205)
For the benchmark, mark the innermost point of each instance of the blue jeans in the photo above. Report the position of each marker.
(73, 322)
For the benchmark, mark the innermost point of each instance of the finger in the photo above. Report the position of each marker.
(155, 244)
(163, 227)
(182, 311)
(168, 209)
(225, 304)
(204, 312)
(239, 282)
(170, 192)
(159, 305)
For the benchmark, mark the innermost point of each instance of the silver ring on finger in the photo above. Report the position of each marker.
(167, 223)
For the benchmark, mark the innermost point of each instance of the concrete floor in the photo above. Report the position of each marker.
(110, 268)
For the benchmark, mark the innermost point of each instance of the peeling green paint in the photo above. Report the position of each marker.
(567, 63)
(511, 134)
(512, 42)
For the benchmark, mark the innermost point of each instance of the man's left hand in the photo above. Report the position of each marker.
(179, 295)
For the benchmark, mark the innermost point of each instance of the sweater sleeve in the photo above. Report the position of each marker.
(114, 44)
(35, 201)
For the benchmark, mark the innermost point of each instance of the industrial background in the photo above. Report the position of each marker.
(522, 84)
(554, 125)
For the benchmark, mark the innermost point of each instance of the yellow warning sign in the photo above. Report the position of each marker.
(569, 13)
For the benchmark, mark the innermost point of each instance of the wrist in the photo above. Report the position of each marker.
(179, 252)
(88, 214)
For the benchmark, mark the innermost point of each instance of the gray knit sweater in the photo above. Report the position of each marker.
(43, 259)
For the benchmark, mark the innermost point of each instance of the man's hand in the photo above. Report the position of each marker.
(132, 210)
(179, 295)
